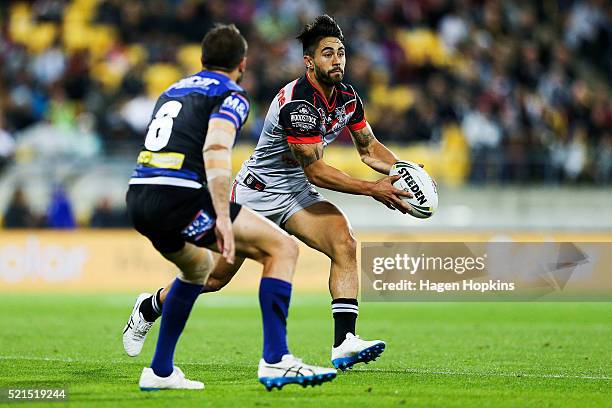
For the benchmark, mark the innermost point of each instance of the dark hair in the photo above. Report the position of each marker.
(223, 48)
(323, 26)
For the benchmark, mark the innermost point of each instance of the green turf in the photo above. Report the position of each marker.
(438, 355)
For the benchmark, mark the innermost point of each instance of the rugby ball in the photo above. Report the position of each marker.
(414, 179)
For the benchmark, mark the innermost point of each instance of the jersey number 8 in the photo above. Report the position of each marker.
(160, 128)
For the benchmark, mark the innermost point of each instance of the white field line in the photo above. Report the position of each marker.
(416, 371)
(486, 374)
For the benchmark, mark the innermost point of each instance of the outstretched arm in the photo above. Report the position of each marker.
(323, 175)
(372, 152)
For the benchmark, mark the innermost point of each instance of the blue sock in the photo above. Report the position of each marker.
(178, 304)
(274, 297)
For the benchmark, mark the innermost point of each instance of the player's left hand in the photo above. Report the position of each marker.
(384, 192)
(225, 239)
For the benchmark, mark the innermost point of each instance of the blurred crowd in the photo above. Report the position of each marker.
(59, 213)
(526, 83)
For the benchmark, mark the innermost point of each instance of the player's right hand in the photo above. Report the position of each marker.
(384, 191)
(225, 238)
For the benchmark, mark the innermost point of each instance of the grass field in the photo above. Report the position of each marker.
(438, 355)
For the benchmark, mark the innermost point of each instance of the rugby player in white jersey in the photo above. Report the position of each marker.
(278, 181)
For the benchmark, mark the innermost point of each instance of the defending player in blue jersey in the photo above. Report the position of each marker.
(179, 199)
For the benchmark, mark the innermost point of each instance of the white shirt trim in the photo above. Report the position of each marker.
(167, 181)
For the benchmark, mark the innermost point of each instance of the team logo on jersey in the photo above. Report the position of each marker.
(337, 120)
(326, 118)
(201, 224)
(303, 119)
(341, 114)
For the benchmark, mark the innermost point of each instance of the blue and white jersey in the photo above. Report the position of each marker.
(172, 149)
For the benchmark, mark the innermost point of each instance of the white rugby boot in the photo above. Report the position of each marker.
(354, 350)
(175, 381)
(291, 370)
(136, 329)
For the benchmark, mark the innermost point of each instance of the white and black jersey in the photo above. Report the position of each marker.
(298, 114)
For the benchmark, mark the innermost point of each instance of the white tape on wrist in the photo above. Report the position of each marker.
(217, 172)
(220, 155)
(220, 137)
(218, 150)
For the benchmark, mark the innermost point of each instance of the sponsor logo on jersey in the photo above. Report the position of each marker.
(412, 185)
(236, 104)
(302, 118)
(195, 81)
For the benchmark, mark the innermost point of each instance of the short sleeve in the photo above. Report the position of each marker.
(358, 120)
(301, 123)
(235, 108)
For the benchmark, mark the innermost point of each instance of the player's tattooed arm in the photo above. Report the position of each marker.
(363, 137)
(323, 175)
(319, 173)
(306, 154)
(372, 152)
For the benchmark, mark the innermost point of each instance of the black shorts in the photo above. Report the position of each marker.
(170, 216)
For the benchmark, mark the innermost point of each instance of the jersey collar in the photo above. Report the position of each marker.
(216, 75)
(330, 107)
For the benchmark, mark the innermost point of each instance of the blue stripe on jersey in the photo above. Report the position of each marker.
(205, 83)
(145, 172)
(227, 116)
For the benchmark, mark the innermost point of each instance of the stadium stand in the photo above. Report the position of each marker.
(481, 91)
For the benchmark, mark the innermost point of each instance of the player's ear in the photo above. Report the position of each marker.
(242, 65)
(308, 61)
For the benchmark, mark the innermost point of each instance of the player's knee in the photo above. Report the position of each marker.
(344, 245)
(284, 248)
(197, 269)
(290, 249)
